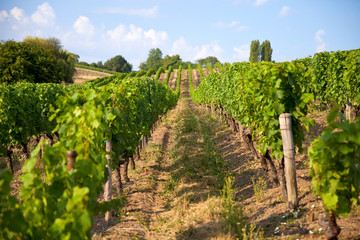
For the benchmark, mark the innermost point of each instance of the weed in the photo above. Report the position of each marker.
(168, 204)
(259, 186)
(250, 232)
(214, 208)
(233, 213)
(170, 185)
(181, 206)
(135, 237)
(152, 182)
(142, 221)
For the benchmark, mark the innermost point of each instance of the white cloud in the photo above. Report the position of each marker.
(242, 53)
(135, 40)
(18, 14)
(118, 33)
(79, 44)
(211, 49)
(136, 36)
(285, 10)
(156, 37)
(44, 15)
(193, 53)
(181, 47)
(83, 26)
(3, 15)
(143, 12)
(320, 44)
(260, 2)
(232, 25)
(222, 24)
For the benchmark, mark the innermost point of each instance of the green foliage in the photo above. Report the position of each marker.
(159, 71)
(35, 60)
(150, 72)
(154, 60)
(335, 165)
(168, 75)
(10, 210)
(255, 51)
(219, 66)
(249, 232)
(266, 51)
(191, 83)
(172, 61)
(256, 94)
(332, 76)
(65, 60)
(106, 80)
(130, 75)
(21, 119)
(208, 66)
(118, 64)
(56, 203)
(208, 60)
(82, 65)
(140, 73)
(260, 186)
(201, 72)
(114, 66)
(178, 82)
(233, 213)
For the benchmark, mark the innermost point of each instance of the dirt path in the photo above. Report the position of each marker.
(180, 187)
(83, 75)
(173, 79)
(162, 77)
(196, 78)
(174, 191)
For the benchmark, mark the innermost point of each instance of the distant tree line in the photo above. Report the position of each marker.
(261, 52)
(156, 60)
(35, 60)
(116, 64)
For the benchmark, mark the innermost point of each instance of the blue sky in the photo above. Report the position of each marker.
(98, 30)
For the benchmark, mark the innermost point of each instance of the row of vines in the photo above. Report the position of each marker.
(55, 203)
(252, 96)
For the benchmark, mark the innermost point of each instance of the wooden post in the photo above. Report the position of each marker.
(348, 110)
(8, 158)
(108, 184)
(137, 152)
(42, 146)
(289, 158)
(70, 156)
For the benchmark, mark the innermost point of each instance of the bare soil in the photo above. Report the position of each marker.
(161, 208)
(196, 79)
(173, 80)
(83, 75)
(162, 77)
(192, 209)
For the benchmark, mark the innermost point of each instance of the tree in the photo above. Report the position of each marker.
(35, 60)
(154, 60)
(65, 60)
(187, 64)
(173, 61)
(255, 51)
(210, 60)
(266, 51)
(118, 64)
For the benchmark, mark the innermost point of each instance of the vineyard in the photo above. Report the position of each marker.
(186, 153)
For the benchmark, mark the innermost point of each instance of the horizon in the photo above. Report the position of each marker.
(98, 31)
